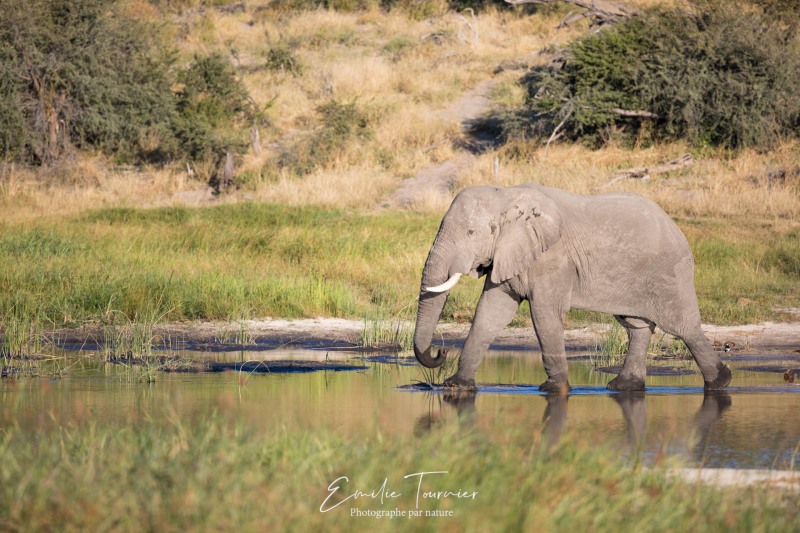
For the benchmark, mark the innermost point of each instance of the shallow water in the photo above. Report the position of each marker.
(754, 424)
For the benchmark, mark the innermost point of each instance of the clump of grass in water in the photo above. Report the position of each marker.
(22, 345)
(132, 344)
(611, 350)
(434, 377)
(382, 329)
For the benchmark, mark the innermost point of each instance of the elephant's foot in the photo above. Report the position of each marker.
(722, 380)
(626, 383)
(456, 384)
(554, 387)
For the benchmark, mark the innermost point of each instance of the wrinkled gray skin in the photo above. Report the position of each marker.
(613, 253)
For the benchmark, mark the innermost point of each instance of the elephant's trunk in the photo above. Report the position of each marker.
(428, 313)
(438, 270)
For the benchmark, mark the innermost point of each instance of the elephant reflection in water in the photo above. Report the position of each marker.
(634, 411)
(632, 405)
(463, 403)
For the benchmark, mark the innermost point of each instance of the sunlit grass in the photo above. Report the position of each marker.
(386, 329)
(240, 261)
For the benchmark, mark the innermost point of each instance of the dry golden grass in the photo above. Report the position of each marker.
(402, 72)
(404, 75)
(89, 184)
(711, 187)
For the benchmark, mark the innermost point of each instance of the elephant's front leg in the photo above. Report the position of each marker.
(495, 310)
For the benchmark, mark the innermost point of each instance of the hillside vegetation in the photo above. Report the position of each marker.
(348, 99)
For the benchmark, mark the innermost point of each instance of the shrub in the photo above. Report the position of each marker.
(79, 74)
(786, 10)
(722, 74)
(212, 107)
(284, 59)
(340, 125)
(93, 75)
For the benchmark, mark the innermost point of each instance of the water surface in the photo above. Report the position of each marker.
(754, 424)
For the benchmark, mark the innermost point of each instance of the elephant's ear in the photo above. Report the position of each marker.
(530, 226)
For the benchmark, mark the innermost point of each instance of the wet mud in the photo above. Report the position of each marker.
(173, 364)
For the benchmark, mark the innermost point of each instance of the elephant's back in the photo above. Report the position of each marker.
(612, 220)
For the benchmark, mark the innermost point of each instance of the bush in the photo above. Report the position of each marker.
(91, 75)
(721, 74)
(212, 108)
(284, 59)
(79, 74)
(340, 125)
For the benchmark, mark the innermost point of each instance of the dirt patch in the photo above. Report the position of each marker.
(440, 179)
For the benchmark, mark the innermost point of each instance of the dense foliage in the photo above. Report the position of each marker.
(95, 75)
(211, 103)
(722, 73)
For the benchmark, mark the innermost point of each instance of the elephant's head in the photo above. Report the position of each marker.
(487, 230)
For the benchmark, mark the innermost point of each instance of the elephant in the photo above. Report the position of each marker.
(616, 253)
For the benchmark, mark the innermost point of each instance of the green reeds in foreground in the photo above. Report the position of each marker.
(223, 475)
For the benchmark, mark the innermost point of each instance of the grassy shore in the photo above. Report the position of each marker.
(218, 474)
(249, 260)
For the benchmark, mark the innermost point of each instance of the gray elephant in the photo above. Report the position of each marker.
(613, 253)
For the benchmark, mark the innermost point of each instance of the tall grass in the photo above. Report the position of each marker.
(240, 261)
(218, 474)
(383, 328)
(612, 349)
(22, 342)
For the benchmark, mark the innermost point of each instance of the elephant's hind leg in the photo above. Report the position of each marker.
(634, 370)
(716, 374)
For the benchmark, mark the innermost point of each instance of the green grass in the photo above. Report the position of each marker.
(224, 475)
(234, 262)
(383, 328)
(226, 262)
(612, 349)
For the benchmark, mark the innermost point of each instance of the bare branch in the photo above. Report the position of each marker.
(555, 133)
(635, 114)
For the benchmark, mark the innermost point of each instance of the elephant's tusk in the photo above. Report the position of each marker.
(447, 285)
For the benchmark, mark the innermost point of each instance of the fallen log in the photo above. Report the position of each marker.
(600, 11)
(645, 173)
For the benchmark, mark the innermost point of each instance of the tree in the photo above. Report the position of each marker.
(83, 74)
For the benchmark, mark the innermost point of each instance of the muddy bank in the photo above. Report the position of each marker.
(758, 339)
(191, 366)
